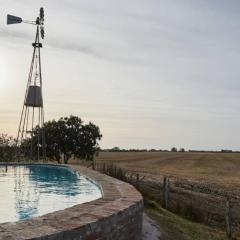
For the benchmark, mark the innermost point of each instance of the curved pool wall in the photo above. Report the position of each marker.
(117, 215)
(33, 190)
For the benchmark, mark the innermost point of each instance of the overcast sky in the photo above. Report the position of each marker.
(150, 73)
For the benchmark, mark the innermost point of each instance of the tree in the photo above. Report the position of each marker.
(174, 149)
(115, 149)
(68, 137)
(7, 148)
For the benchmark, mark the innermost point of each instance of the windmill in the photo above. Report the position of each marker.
(32, 116)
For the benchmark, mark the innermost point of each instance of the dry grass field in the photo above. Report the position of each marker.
(220, 170)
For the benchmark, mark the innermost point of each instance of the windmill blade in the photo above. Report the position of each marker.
(42, 14)
(13, 19)
(42, 32)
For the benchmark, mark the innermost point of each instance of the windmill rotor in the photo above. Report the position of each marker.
(11, 19)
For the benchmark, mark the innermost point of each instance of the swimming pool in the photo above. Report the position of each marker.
(32, 190)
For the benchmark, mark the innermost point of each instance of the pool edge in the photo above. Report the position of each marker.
(117, 215)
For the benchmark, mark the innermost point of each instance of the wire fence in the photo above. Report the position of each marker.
(213, 207)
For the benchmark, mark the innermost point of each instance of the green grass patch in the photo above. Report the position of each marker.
(174, 227)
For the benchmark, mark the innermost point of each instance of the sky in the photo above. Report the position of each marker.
(149, 73)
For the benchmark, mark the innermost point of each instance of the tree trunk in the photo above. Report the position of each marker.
(65, 158)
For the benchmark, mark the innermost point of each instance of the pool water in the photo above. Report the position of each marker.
(28, 191)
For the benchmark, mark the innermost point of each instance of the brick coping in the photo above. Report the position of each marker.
(117, 197)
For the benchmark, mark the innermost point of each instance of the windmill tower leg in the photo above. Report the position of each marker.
(31, 135)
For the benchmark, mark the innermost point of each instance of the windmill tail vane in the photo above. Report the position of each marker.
(31, 135)
(13, 19)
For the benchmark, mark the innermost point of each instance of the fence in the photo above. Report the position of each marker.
(214, 207)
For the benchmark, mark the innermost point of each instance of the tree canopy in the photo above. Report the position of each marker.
(7, 148)
(68, 137)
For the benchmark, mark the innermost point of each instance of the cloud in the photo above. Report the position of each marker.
(171, 64)
(13, 37)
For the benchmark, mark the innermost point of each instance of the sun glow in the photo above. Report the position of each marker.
(2, 74)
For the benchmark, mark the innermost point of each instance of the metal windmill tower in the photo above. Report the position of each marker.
(32, 116)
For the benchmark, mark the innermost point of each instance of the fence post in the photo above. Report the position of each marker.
(93, 164)
(104, 168)
(228, 220)
(165, 192)
(137, 181)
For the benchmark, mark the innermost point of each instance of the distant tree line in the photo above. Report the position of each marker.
(173, 149)
(66, 138)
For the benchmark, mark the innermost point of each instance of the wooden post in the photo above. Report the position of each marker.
(165, 192)
(110, 170)
(228, 220)
(104, 168)
(93, 164)
(137, 181)
(131, 179)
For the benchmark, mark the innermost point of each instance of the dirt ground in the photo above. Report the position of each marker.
(150, 229)
(216, 169)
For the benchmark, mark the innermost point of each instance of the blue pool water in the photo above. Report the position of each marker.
(28, 191)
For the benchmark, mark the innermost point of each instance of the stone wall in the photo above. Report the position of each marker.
(117, 215)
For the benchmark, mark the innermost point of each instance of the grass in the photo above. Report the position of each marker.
(173, 227)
